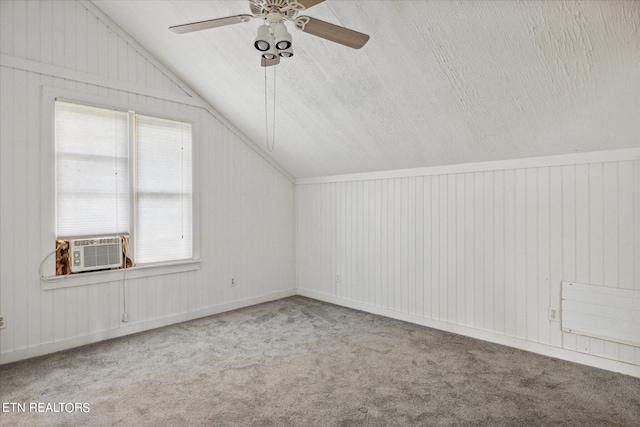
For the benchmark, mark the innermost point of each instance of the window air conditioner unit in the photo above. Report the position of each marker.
(95, 253)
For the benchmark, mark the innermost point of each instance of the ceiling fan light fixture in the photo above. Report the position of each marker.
(282, 36)
(264, 40)
(269, 55)
(271, 52)
(286, 53)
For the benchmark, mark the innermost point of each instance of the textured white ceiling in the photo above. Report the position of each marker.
(440, 82)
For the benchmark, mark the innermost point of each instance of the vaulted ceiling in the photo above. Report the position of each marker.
(439, 82)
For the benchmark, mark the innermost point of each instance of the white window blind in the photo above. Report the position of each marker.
(97, 182)
(92, 177)
(163, 190)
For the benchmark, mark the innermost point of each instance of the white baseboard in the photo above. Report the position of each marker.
(26, 353)
(546, 350)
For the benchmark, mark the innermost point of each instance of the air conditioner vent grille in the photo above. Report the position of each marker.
(96, 253)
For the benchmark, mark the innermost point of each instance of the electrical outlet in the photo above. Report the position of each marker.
(233, 281)
(553, 314)
(3, 324)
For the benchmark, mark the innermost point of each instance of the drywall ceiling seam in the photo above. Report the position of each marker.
(188, 90)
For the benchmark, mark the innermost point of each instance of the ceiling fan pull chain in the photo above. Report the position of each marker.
(273, 139)
(266, 111)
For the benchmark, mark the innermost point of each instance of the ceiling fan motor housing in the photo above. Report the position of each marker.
(274, 18)
(264, 7)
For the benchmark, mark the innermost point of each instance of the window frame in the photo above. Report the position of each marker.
(48, 186)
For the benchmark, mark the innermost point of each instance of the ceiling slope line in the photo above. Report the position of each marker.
(605, 156)
(188, 90)
(92, 79)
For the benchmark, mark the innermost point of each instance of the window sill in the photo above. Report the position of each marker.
(146, 270)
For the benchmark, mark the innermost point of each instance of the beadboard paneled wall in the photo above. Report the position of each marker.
(246, 206)
(477, 252)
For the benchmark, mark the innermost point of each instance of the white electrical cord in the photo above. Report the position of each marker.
(125, 315)
(46, 279)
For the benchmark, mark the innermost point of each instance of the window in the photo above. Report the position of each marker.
(121, 172)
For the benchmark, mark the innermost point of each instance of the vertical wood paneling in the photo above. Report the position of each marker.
(247, 207)
(341, 233)
(325, 273)
(20, 204)
(582, 215)
(555, 248)
(20, 26)
(483, 249)
(498, 252)
(531, 254)
(520, 284)
(420, 242)
(359, 243)
(488, 253)
(349, 264)
(384, 244)
(478, 244)
(44, 51)
(452, 288)
(469, 258)
(7, 215)
(460, 253)
(542, 285)
(33, 31)
(427, 245)
(70, 312)
(6, 29)
(409, 301)
(568, 236)
(115, 311)
(596, 224)
(57, 21)
(636, 228)
(377, 233)
(59, 318)
(509, 253)
(596, 256)
(367, 279)
(69, 43)
(435, 247)
(443, 290)
(397, 244)
(626, 254)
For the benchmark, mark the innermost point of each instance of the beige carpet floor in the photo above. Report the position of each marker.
(300, 362)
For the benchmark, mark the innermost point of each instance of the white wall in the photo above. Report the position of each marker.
(475, 249)
(246, 204)
(478, 249)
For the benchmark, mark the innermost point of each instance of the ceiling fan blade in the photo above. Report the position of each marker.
(309, 3)
(270, 62)
(211, 23)
(331, 32)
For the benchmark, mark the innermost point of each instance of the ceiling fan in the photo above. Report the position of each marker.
(273, 39)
